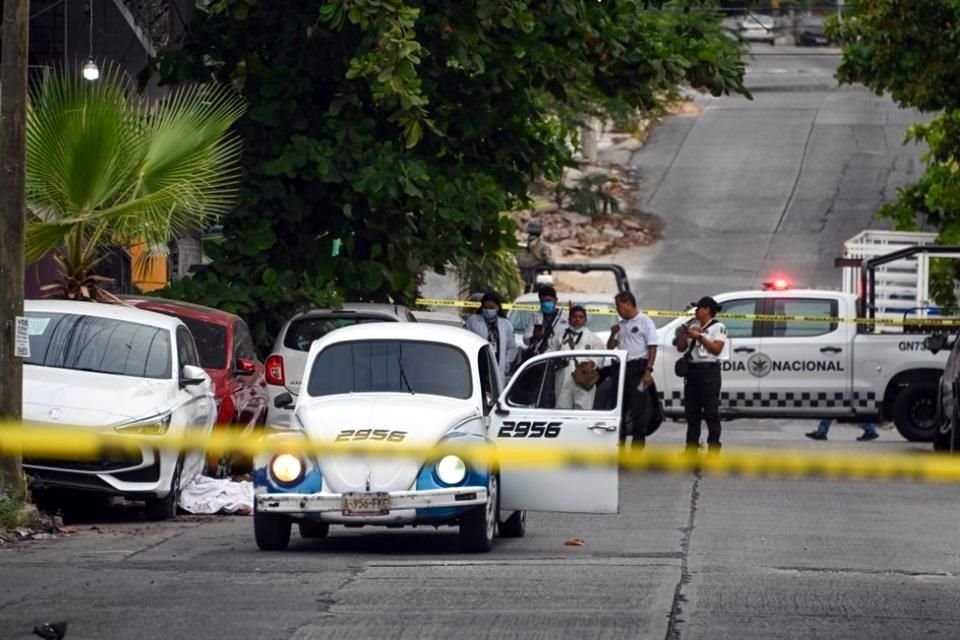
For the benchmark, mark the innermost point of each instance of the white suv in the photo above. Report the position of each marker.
(289, 356)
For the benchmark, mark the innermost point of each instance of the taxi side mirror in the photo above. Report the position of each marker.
(935, 343)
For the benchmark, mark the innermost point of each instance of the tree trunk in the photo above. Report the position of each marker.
(13, 103)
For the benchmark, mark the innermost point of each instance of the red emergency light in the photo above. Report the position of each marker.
(778, 283)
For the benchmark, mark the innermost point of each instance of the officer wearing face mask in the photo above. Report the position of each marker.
(490, 323)
(543, 326)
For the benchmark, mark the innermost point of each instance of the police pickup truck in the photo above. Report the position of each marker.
(798, 368)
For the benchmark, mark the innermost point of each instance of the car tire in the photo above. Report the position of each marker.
(914, 411)
(313, 529)
(478, 526)
(271, 531)
(515, 526)
(165, 508)
(945, 438)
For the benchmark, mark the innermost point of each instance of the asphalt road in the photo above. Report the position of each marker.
(688, 557)
(745, 187)
(752, 188)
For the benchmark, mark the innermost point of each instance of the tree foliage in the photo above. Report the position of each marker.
(106, 167)
(403, 128)
(910, 49)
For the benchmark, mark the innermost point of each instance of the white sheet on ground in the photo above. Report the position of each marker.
(211, 495)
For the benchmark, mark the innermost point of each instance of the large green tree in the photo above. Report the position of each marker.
(910, 49)
(387, 136)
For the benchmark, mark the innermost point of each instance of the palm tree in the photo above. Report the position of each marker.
(107, 167)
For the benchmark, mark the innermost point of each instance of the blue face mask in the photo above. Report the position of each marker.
(548, 306)
(489, 314)
(576, 329)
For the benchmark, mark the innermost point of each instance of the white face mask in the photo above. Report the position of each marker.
(577, 330)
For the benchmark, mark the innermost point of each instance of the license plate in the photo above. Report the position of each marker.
(375, 503)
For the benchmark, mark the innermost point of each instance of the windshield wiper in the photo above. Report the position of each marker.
(403, 374)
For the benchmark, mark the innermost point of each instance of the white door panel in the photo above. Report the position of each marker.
(528, 417)
(807, 363)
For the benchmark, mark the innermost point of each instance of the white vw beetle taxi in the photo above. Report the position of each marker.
(420, 386)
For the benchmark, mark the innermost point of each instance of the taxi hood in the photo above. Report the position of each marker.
(387, 419)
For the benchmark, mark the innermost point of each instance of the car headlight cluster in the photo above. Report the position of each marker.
(451, 470)
(287, 468)
(155, 426)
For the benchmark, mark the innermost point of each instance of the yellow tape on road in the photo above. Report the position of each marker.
(40, 442)
(758, 317)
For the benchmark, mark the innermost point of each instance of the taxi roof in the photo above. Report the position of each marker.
(414, 331)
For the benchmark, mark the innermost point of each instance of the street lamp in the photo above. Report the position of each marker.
(90, 70)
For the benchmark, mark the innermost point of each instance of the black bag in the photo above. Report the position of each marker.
(682, 366)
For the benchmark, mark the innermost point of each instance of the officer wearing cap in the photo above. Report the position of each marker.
(704, 341)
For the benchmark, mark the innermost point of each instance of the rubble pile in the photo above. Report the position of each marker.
(575, 236)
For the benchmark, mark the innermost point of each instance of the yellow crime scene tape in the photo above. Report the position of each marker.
(659, 313)
(79, 444)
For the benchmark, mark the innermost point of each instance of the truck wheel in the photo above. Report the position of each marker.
(271, 531)
(915, 412)
(478, 527)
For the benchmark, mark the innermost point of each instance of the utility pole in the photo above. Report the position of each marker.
(13, 117)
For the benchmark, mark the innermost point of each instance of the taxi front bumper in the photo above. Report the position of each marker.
(293, 503)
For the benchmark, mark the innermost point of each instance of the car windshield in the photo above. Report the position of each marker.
(100, 345)
(301, 333)
(211, 340)
(401, 366)
(596, 322)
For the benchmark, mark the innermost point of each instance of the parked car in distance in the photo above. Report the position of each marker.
(946, 437)
(124, 372)
(439, 317)
(810, 32)
(757, 28)
(228, 355)
(289, 356)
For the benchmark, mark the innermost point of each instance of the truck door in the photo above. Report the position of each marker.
(532, 415)
(804, 368)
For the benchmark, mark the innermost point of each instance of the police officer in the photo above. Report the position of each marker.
(637, 335)
(706, 340)
(536, 252)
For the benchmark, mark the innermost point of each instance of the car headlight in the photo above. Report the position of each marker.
(155, 426)
(287, 468)
(451, 470)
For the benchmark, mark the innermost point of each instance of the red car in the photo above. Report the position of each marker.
(228, 355)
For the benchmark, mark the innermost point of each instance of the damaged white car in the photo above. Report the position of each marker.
(422, 386)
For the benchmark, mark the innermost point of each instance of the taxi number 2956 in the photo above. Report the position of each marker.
(371, 434)
(512, 429)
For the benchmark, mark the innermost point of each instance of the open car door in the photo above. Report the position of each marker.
(543, 407)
